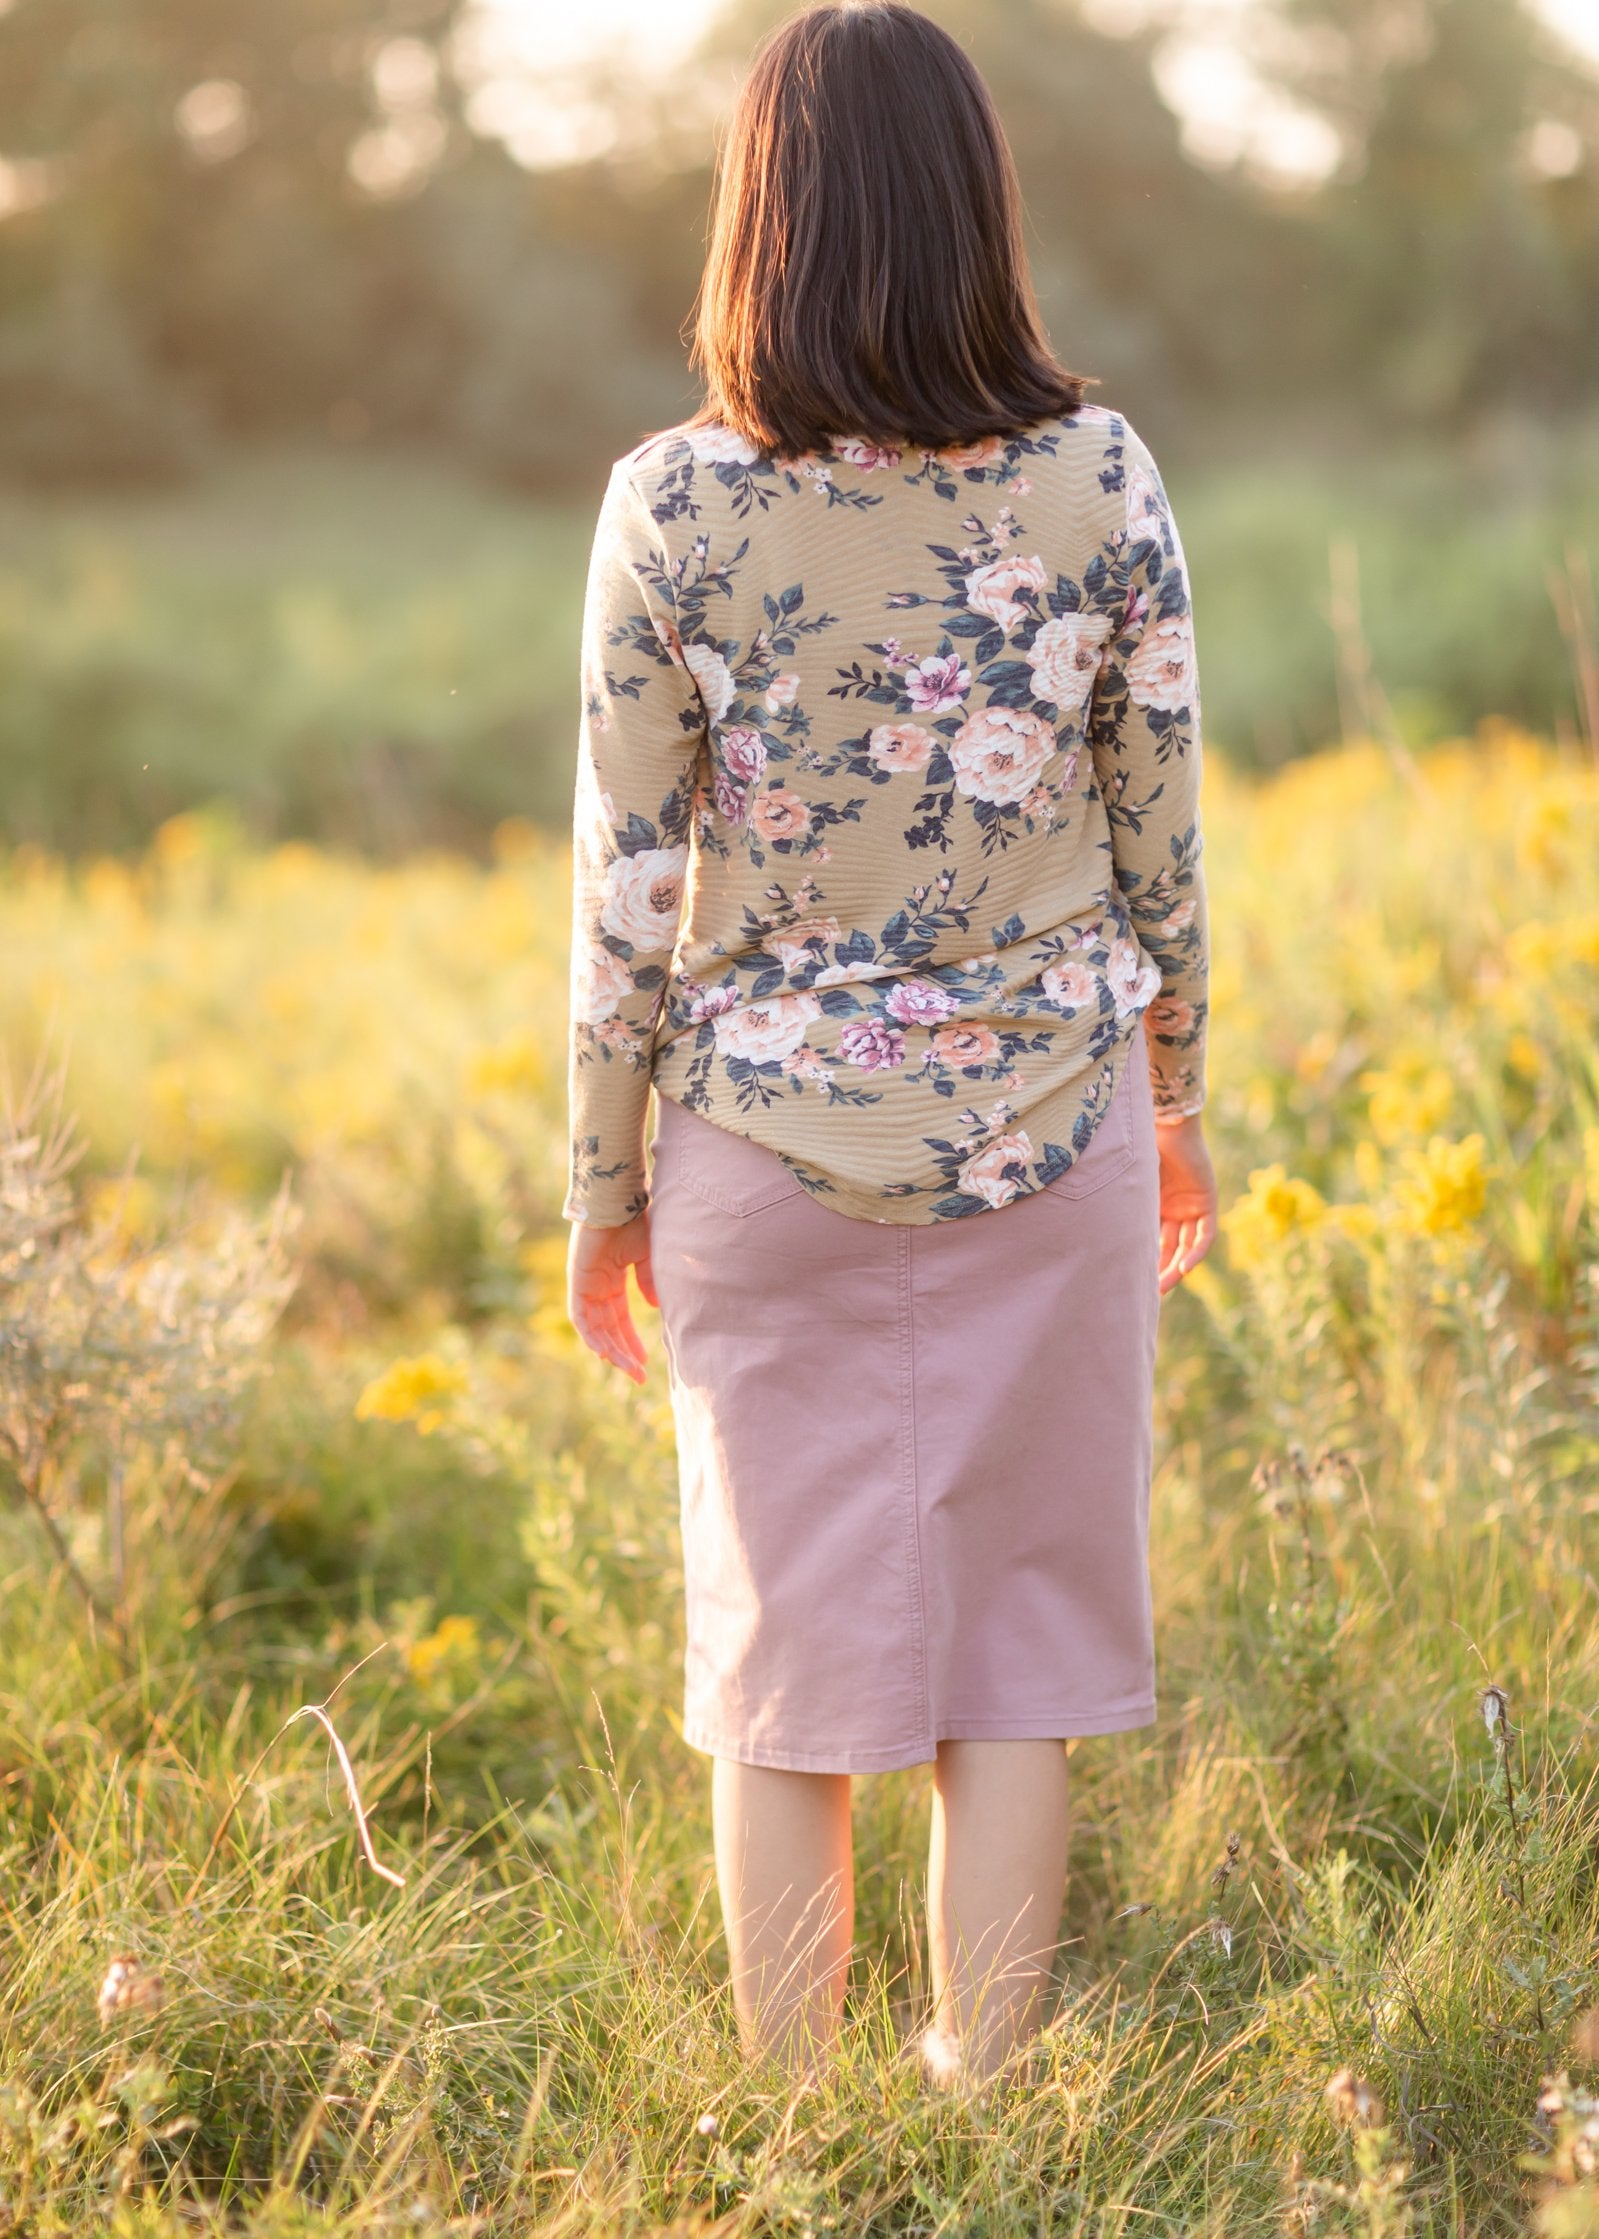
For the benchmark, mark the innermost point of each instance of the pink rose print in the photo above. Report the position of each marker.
(643, 894)
(984, 1173)
(841, 975)
(1070, 984)
(868, 456)
(871, 1045)
(1064, 659)
(717, 446)
(990, 590)
(783, 690)
(743, 751)
(900, 746)
(937, 684)
(713, 676)
(1167, 1015)
(780, 814)
(965, 1047)
(1146, 512)
(710, 1002)
(921, 1003)
(999, 753)
(732, 800)
(765, 1033)
(792, 944)
(1132, 984)
(603, 982)
(1179, 920)
(1162, 673)
(980, 453)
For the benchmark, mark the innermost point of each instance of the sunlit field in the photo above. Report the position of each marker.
(291, 1422)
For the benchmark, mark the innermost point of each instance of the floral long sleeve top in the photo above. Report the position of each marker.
(887, 831)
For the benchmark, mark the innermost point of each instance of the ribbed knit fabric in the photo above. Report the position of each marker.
(887, 831)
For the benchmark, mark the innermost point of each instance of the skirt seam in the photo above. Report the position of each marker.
(907, 1401)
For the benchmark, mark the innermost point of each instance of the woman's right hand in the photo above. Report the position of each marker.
(1187, 1198)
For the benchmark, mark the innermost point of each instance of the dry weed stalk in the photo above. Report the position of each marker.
(1572, 595)
(321, 1713)
(1363, 705)
(119, 1358)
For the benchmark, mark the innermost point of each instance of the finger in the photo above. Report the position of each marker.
(627, 1332)
(1204, 1237)
(644, 1276)
(594, 1317)
(622, 1340)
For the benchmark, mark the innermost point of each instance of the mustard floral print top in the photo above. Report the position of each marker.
(887, 833)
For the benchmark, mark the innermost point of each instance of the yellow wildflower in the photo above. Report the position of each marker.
(1276, 1206)
(1542, 945)
(1404, 1105)
(1540, 847)
(516, 839)
(452, 1642)
(1444, 1187)
(411, 1391)
(1524, 1055)
(1316, 1055)
(514, 1066)
(1358, 1222)
(179, 840)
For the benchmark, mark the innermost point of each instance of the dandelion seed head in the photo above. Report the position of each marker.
(1353, 2101)
(128, 1988)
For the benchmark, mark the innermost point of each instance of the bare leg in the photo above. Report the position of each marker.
(785, 1865)
(996, 1880)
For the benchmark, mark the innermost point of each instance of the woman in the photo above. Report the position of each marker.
(888, 879)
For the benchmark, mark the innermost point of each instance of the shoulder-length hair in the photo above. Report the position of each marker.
(867, 274)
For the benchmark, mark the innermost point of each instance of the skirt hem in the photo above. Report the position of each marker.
(901, 1758)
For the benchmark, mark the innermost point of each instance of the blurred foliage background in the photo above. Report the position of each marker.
(308, 383)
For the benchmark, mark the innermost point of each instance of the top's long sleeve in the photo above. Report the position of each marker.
(642, 723)
(1145, 735)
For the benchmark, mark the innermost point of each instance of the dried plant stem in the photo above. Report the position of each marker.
(1517, 1832)
(1572, 595)
(351, 1788)
(30, 1483)
(318, 1711)
(1363, 705)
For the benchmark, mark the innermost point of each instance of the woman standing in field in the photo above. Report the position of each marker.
(888, 879)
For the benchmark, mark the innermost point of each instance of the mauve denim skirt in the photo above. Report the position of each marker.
(914, 1461)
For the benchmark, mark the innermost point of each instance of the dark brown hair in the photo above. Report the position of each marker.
(867, 274)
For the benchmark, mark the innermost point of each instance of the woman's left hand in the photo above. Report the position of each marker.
(596, 1290)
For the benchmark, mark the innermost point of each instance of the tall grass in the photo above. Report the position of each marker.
(1331, 1930)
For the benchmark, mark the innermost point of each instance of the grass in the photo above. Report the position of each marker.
(424, 1508)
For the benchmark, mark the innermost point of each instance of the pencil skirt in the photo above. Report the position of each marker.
(914, 1461)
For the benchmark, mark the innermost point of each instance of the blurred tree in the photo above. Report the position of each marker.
(268, 215)
(1463, 223)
